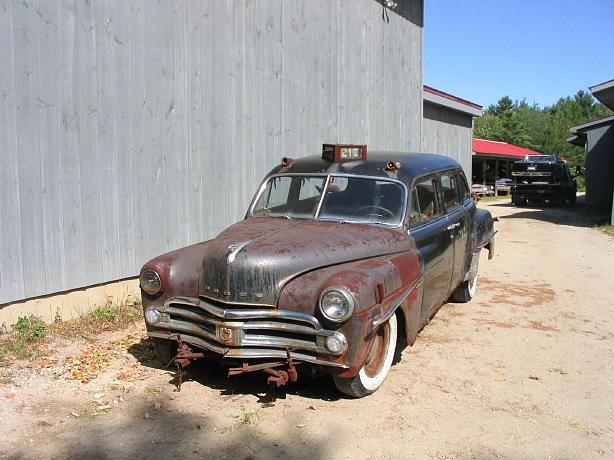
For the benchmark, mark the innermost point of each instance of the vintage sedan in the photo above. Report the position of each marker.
(341, 258)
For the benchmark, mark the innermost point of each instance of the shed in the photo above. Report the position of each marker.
(493, 160)
(597, 138)
(130, 130)
(447, 125)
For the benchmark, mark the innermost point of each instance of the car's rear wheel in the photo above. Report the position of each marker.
(377, 365)
(466, 290)
(165, 350)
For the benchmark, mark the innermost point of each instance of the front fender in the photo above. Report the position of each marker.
(379, 285)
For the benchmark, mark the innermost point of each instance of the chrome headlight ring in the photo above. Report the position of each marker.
(336, 304)
(150, 281)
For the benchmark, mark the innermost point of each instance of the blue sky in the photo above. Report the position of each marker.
(537, 50)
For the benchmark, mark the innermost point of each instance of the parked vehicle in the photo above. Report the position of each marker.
(504, 186)
(339, 257)
(542, 178)
(483, 190)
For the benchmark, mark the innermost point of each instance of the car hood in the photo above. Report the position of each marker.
(249, 262)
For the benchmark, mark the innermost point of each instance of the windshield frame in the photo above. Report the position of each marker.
(328, 177)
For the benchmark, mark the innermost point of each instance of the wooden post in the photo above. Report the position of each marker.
(496, 177)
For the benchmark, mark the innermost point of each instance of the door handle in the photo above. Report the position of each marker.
(453, 226)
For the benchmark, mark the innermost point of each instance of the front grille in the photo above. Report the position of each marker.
(245, 332)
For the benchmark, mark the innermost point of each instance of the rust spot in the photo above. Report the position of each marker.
(541, 326)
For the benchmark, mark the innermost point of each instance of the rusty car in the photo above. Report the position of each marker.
(341, 259)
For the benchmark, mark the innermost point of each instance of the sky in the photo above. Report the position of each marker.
(538, 50)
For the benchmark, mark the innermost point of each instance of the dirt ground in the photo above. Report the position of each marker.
(525, 370)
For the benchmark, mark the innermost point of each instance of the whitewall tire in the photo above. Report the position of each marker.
(377, 365)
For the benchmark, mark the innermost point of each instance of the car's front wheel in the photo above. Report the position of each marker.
(377, 365)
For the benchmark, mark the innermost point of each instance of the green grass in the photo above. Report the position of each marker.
(25, 340)
(608, 229)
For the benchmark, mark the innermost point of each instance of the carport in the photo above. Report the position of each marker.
(492, 160)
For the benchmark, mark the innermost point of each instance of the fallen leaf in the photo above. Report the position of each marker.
(147, 416)
(74, 414)
(534, 377)
(9, 395)
(157, 406)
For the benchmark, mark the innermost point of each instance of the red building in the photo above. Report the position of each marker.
(492, 160)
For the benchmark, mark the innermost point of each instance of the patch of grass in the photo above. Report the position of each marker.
(608, 229)
(108, 317)
(25, 341)
(152, 390)
(30, 327)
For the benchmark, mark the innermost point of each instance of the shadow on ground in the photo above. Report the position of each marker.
(574, 215)
(172, 434)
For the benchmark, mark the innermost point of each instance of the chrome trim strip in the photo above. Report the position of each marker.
(244, 314)
(245, 353)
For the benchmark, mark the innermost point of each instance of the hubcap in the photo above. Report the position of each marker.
(378, 352)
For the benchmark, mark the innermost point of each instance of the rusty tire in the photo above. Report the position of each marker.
(377, 365)
(165, 350)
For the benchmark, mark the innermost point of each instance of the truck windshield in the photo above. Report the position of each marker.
(339, 198)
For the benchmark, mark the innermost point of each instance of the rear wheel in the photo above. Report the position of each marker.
(466, 290)
(377, 365)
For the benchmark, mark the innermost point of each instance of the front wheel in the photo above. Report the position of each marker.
(466, 290)
(377, 365)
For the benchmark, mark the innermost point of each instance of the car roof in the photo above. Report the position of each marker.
(412, 165)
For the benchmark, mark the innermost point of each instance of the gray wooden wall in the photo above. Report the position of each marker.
(599, 172)
(131, 128)
(447, 132)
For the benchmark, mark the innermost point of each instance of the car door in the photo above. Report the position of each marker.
(428, 226)
(457, 218)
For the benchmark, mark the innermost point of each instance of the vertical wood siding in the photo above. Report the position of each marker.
(447, 132)
(131, 128)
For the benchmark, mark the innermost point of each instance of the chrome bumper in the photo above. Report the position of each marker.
(245, 333)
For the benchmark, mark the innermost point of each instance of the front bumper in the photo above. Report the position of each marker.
(246, 333)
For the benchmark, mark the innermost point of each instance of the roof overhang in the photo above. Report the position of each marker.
(604, 93)
(441, 101)
(591, 125)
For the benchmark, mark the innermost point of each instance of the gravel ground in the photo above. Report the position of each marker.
(524, 370)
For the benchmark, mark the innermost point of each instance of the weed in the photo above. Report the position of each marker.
(605, 228)
(57, 318)
(29, 327)
(152, 390)
(247, 417)
(105, 314)
(6, 381)
(108, 317)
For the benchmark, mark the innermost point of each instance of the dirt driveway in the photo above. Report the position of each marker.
(525, 370)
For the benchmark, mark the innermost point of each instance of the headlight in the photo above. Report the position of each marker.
(152, 316)
(150, 281)
(336, 304)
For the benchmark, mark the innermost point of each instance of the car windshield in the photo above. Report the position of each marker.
(337, 197)
(539, 158)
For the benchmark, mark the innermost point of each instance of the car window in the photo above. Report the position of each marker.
(463, 190)
(449, 190)
(423, 201)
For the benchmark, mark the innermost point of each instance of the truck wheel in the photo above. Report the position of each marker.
(465, 291)
(373, 373)
(165, 350)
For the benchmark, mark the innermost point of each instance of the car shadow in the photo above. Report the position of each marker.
(213, 374)
(579, 214)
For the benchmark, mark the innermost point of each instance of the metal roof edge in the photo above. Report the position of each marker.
(450, 104)
(575, 129)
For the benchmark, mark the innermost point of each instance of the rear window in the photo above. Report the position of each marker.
(449, 189)
(423, 201)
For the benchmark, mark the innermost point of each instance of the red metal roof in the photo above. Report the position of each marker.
(496, 148)
(438, 92)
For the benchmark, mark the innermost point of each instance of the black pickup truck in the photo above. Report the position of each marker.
(542, 178)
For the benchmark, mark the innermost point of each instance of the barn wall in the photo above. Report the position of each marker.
(131, 128)
(448, 132)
